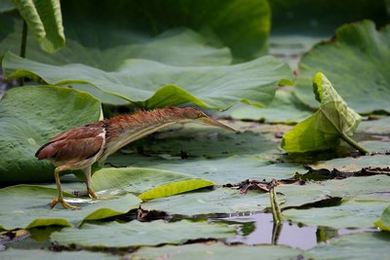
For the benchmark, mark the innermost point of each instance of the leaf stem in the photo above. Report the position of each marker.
(276, 213)
(24, 40)
(354, 144)
(23, 46)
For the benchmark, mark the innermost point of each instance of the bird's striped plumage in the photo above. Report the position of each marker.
(80, 147)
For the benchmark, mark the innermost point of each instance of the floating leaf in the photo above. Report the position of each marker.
(221, 200)
(29, 116)
(380, 126)
(362, 79)
(25, 206)
(384, 222)
(137, 233)
(35, 254)
(153, 84)
(44, 19)
(356, 213)
(333, 121)
(348, 188)
(350, 164)
(355, 246)
(216, 251)
(148, 183)
(233, 169)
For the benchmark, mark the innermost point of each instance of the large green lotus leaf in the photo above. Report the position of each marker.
(137, 233)
(362, 78)
(147, 183)
(221, 200)
(222, 171)
(181, 47)
(29, 117)
(333, 121)
(153, 84)
(310, 18)
(25, 206)
(35, 254)
(216, 251)
(284, 108)
(44, 20)
(243, 27)
(354, 246)
(355, 213)
(384, 221)
(350, 164)
(299, 195)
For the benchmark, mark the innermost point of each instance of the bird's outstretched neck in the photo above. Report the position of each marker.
(124, 129)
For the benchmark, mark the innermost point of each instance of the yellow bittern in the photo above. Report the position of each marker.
(79, 148)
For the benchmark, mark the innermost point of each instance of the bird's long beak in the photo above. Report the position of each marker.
(213, 122)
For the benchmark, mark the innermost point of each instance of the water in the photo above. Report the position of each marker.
(265, 232)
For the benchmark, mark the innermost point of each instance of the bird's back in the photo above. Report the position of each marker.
(76, 144)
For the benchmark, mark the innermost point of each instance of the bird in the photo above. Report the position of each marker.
(79, 148)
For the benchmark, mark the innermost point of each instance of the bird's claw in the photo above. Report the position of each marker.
(64, 204)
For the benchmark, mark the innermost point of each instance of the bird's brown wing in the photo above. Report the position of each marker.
(73, 145)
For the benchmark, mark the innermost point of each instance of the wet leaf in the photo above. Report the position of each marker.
(384, 221)
(147, 183)
(216, 251)
(44, 19)
(221, 200)
(29, 117)
(333, 121)
(355, 246)
(362, 78)
(136, 233)
(25, 206)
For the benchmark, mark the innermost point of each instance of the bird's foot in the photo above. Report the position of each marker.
(64, 204)
(92, 194)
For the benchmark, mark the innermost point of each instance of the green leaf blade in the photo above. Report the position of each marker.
(45, 20)
(140, 81)
(324, 129)
(383, 222)
(29, 117)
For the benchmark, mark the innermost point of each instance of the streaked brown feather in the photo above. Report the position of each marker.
(74, 144)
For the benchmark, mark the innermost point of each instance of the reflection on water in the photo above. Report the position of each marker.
(265, 232)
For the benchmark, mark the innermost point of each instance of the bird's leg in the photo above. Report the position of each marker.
(88, 181)
(60, 196)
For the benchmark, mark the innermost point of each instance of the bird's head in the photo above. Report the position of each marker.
(201, 117)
